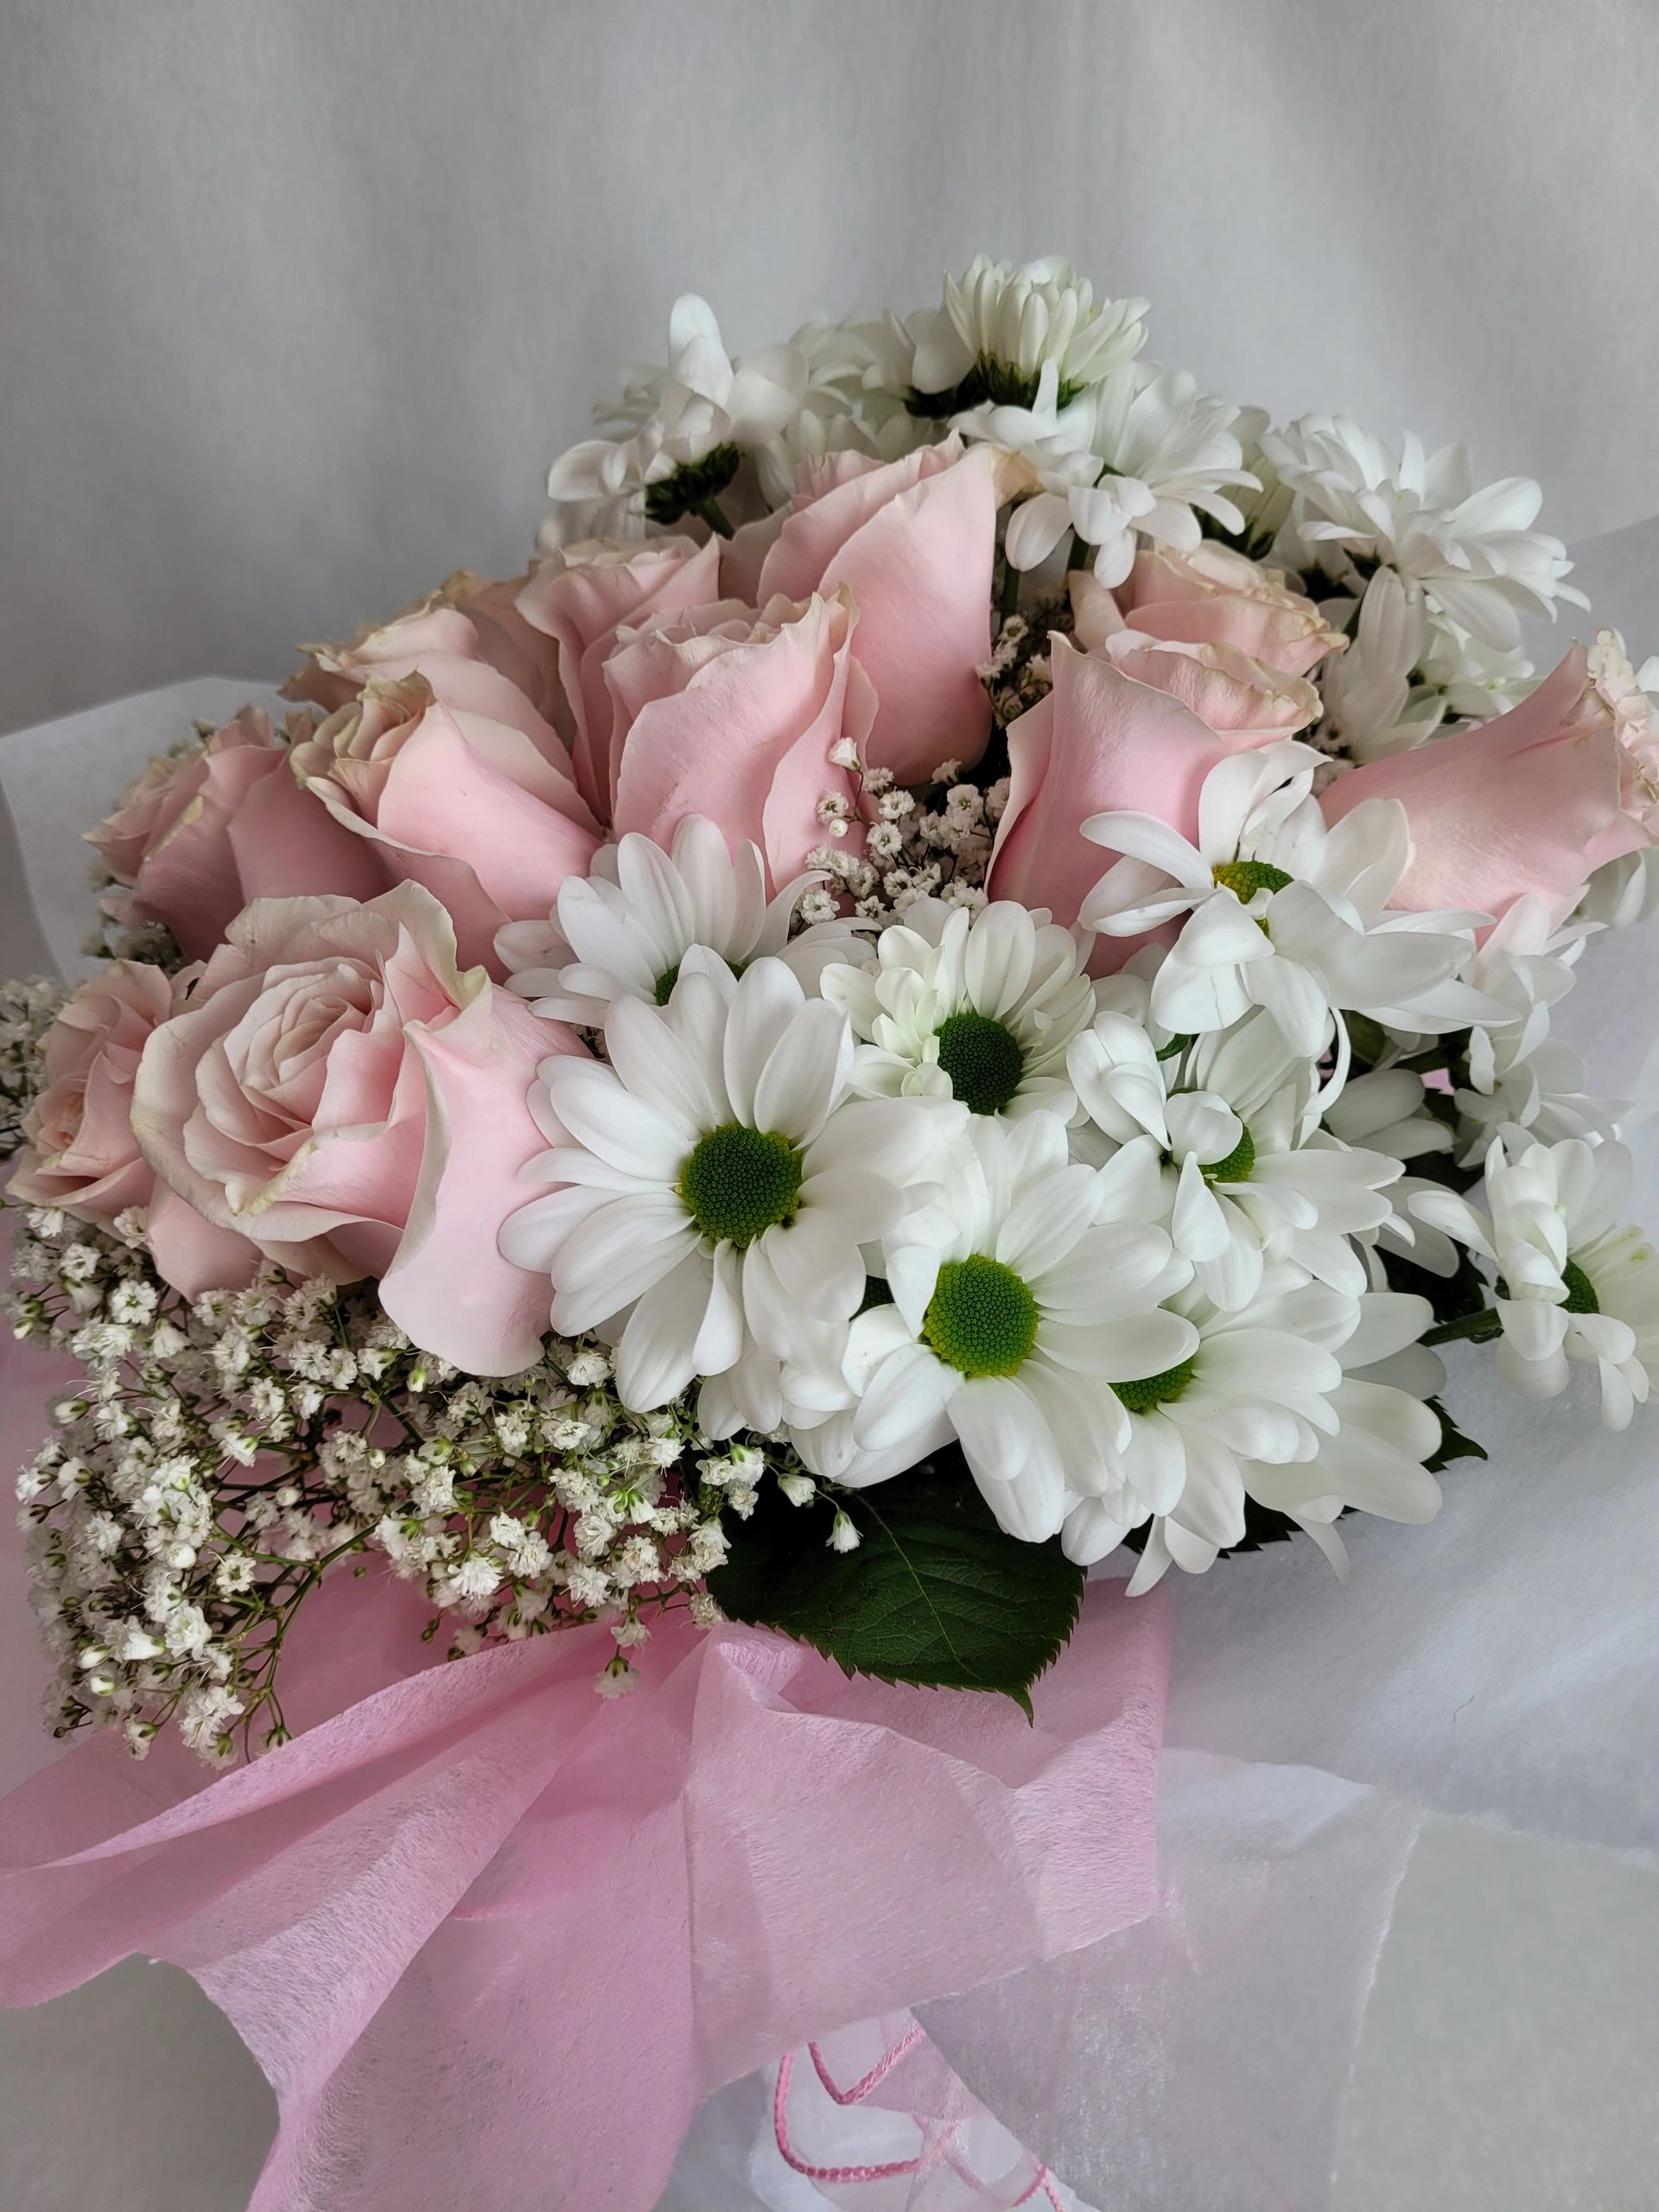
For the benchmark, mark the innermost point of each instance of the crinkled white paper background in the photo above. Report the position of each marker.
(296, 299)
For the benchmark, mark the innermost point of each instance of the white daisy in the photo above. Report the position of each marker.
(1518, 1076)
(623, 930)
(1222, 1141)
(1136, 452)
(1255, 1385)
(1370, 1460)
(716, 1180)
(1015, 1308)
(688, 425)
(1284, 911)
(976, 1006)
(1475, 553)
(1005, 324)
(1571, 1283)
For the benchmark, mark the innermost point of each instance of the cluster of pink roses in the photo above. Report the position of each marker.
(340, 1084)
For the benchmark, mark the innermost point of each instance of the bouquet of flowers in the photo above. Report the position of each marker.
(821, 1068)
(958, 978)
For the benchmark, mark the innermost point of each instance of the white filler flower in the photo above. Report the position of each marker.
(1284, 911)
(1015, 1308)
(1573, 1283)
(979, 1007)
(718, 1183)
(623, 930)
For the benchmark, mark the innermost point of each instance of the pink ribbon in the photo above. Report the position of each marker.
(963, 2160)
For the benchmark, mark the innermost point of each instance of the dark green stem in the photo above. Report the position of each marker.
(1009, 599)
(1474, 1328)
(714, 515)
(1080, 555)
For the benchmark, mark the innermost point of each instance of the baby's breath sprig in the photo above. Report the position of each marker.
(221, 1456)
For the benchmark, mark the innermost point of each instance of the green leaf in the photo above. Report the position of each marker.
(1453, 1444)
(935, 1593)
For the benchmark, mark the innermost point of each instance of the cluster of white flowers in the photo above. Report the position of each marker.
(28, 1010)
(1132, 1244)
(220, 1456)
(1424, 571)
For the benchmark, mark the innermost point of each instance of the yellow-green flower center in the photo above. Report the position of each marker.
(1245, 877)
(985, 1061)
(739, 1182)
(1155, 1389)
(1236, 1167)
(981, 1318)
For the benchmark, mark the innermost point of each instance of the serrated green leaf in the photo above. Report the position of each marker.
(935, 1593)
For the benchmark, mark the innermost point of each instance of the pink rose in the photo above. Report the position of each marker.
(914, 541)
(336, 1090)
(1252, 702)
(467, 805)
(580, 598)
(203, 831)
(1099, 742)
(1533, 801)
(1213, 596)
(470, 643)
(732, 714)
(80, 1152)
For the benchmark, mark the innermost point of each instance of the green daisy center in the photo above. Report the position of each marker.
(1245, 877)
(1236, 1167)
(981, 1318)
(739, 1182)
(692, 482)
(984, 1061)
(1580, 1291)
(1155, 1389)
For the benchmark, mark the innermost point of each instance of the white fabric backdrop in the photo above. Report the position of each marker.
(298, 297)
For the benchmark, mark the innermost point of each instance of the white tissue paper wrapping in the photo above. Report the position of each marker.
(1408, 1951)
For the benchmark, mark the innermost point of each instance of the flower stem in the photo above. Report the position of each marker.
(714, 515)
(1009, 600)
(1473, 1328)
(1080, 555)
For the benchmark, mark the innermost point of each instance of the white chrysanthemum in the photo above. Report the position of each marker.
(1015, 1308)
(1573, 1283)
(1284, 911)
(623, 930)
(1010, 323)
(1137, 453)
(1368, 1450)
(717, 1180)
(1405, 673)
(846, 407)
(1519, 1076)
(1223, 1143)
(979, 1007)
(1255, 1384)
(1474, 552)
(688, 425)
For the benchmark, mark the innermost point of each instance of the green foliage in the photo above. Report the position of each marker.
(934, 1593)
